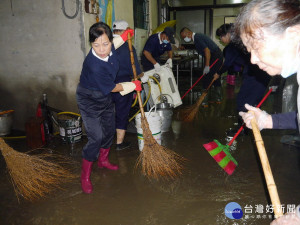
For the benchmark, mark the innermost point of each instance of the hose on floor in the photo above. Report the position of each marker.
(135, 101)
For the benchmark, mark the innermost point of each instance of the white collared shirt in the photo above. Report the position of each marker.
(160, 41)
(193, 36)
(105, 59)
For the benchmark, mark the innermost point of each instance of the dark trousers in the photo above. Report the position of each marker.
(122, 107)
(251, 92)
(97, 111)
(215, 68)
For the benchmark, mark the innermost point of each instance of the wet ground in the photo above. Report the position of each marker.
(198, 197)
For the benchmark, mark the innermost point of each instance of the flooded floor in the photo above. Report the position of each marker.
(198, 197)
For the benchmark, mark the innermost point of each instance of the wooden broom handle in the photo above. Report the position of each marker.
(7, 111)
(135, 75)
(267, 169)
(211, 83)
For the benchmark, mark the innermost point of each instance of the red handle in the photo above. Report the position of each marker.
(198, 79)
(242, 127)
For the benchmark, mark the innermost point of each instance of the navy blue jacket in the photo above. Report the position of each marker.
(99, 75)
(156, 49)
(233, 56)
(125, 72)
(285, 120)
(202, 41)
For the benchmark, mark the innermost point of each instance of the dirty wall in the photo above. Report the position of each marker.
(41, 52)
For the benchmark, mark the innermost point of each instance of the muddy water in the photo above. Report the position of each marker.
(198, 197)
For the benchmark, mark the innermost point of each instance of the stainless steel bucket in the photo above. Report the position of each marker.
(165, 111)
(6, 122)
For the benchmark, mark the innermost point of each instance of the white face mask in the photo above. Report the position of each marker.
(116, 35)
(291, 65)
(187, 39)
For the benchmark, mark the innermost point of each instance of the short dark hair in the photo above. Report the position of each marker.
(224, 29)
(98, 29)
(184, 29)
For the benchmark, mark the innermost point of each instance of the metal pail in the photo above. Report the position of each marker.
(70, 127)
(6, 122)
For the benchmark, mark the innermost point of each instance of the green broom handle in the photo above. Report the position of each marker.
(242, 127)
(135, 75)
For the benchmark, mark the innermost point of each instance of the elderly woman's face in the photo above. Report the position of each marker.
(102, 46)
(266, 51)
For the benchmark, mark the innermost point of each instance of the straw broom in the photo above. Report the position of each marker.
(189, 114)
(267, 169)
(34, 176)
(155, 160)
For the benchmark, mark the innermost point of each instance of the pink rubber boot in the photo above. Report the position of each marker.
(232, 80)
(103, 160)
(228, 79)
(86, 170)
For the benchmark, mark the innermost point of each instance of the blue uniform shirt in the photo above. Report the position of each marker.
(99, 75)
(125, 68)
(202, 41)
(233, 56)
(156, 49)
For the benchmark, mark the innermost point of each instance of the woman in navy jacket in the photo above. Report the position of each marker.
(97, 81)
(253, 77)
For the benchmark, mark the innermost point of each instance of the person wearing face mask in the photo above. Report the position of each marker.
(123, 103)
(270, 30)
(253, 77)
(93, 94)
(210, 52)
(157, 45)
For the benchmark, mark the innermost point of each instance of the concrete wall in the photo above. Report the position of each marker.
(153, 15)
(218, 20)
(42, 52)
(124, 11)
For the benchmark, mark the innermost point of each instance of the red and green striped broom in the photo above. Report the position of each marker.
(221, 152)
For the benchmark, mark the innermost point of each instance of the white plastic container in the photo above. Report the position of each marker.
(168, 86)
(154, 122)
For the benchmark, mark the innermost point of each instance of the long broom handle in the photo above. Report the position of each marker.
(267, 169)
(242, 127)
(199, 79)
(135, 75)
(211, 83)
(7, 111)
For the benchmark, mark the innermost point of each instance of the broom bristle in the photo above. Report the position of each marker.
(157, 161)
(190, 113)
(32, 175)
